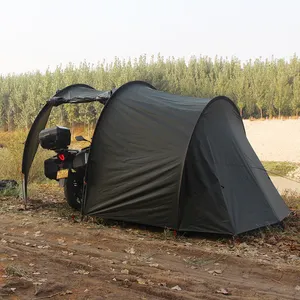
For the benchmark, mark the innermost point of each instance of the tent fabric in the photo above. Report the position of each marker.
(32, 143)
(80, 93)
(179, 162)
(225, 187)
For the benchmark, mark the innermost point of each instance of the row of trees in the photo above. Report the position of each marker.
(260, 88)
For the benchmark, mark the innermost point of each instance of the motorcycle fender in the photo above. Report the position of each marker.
(62, 182)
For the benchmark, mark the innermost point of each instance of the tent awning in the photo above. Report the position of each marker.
(73, 94)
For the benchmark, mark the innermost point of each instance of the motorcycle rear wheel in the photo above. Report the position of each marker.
(73, 189)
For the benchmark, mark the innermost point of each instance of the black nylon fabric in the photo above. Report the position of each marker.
(226, 188)
(77, 91)
(80, 93)
(179, 162)
(137, 155)
(32, 143)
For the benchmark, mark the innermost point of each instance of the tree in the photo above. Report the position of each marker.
(259, 88)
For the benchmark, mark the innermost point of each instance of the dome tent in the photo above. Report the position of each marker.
(168, 161)
(178, 162)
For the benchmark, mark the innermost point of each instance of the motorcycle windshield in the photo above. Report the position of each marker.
(32, 144)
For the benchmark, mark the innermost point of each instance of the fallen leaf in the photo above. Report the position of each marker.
(297, 288)
(223, 291)
(125, 271)
(215, 272)
(130, 251)
(153, 265)
(141, 281)
(82, 272)
(61, 242)
(38, 234)
(176, 288)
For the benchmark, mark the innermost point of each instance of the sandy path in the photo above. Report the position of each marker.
(275, 139)
(283, 184)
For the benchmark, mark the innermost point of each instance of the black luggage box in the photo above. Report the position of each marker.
(51, 168)
(55, 138)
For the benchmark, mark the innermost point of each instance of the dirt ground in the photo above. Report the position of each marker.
(46, 252)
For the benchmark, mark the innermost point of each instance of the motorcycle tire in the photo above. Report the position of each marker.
(73, 190)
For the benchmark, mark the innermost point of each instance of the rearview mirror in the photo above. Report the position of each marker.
(80, 138)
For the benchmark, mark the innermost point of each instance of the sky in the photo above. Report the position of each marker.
(37, 34)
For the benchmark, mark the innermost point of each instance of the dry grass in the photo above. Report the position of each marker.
(11, 155)
(15, 271)
(11, 158)
(292, 199)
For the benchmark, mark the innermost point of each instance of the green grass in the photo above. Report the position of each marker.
(277, 168)
(15, 271)
(11, 192)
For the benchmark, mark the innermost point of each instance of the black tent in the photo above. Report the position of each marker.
(174, 161)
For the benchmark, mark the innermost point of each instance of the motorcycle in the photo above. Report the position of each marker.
(68, 165)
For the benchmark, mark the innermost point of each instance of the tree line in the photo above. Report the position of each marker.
(260, 88)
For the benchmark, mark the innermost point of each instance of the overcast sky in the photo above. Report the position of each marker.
(35, 34)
